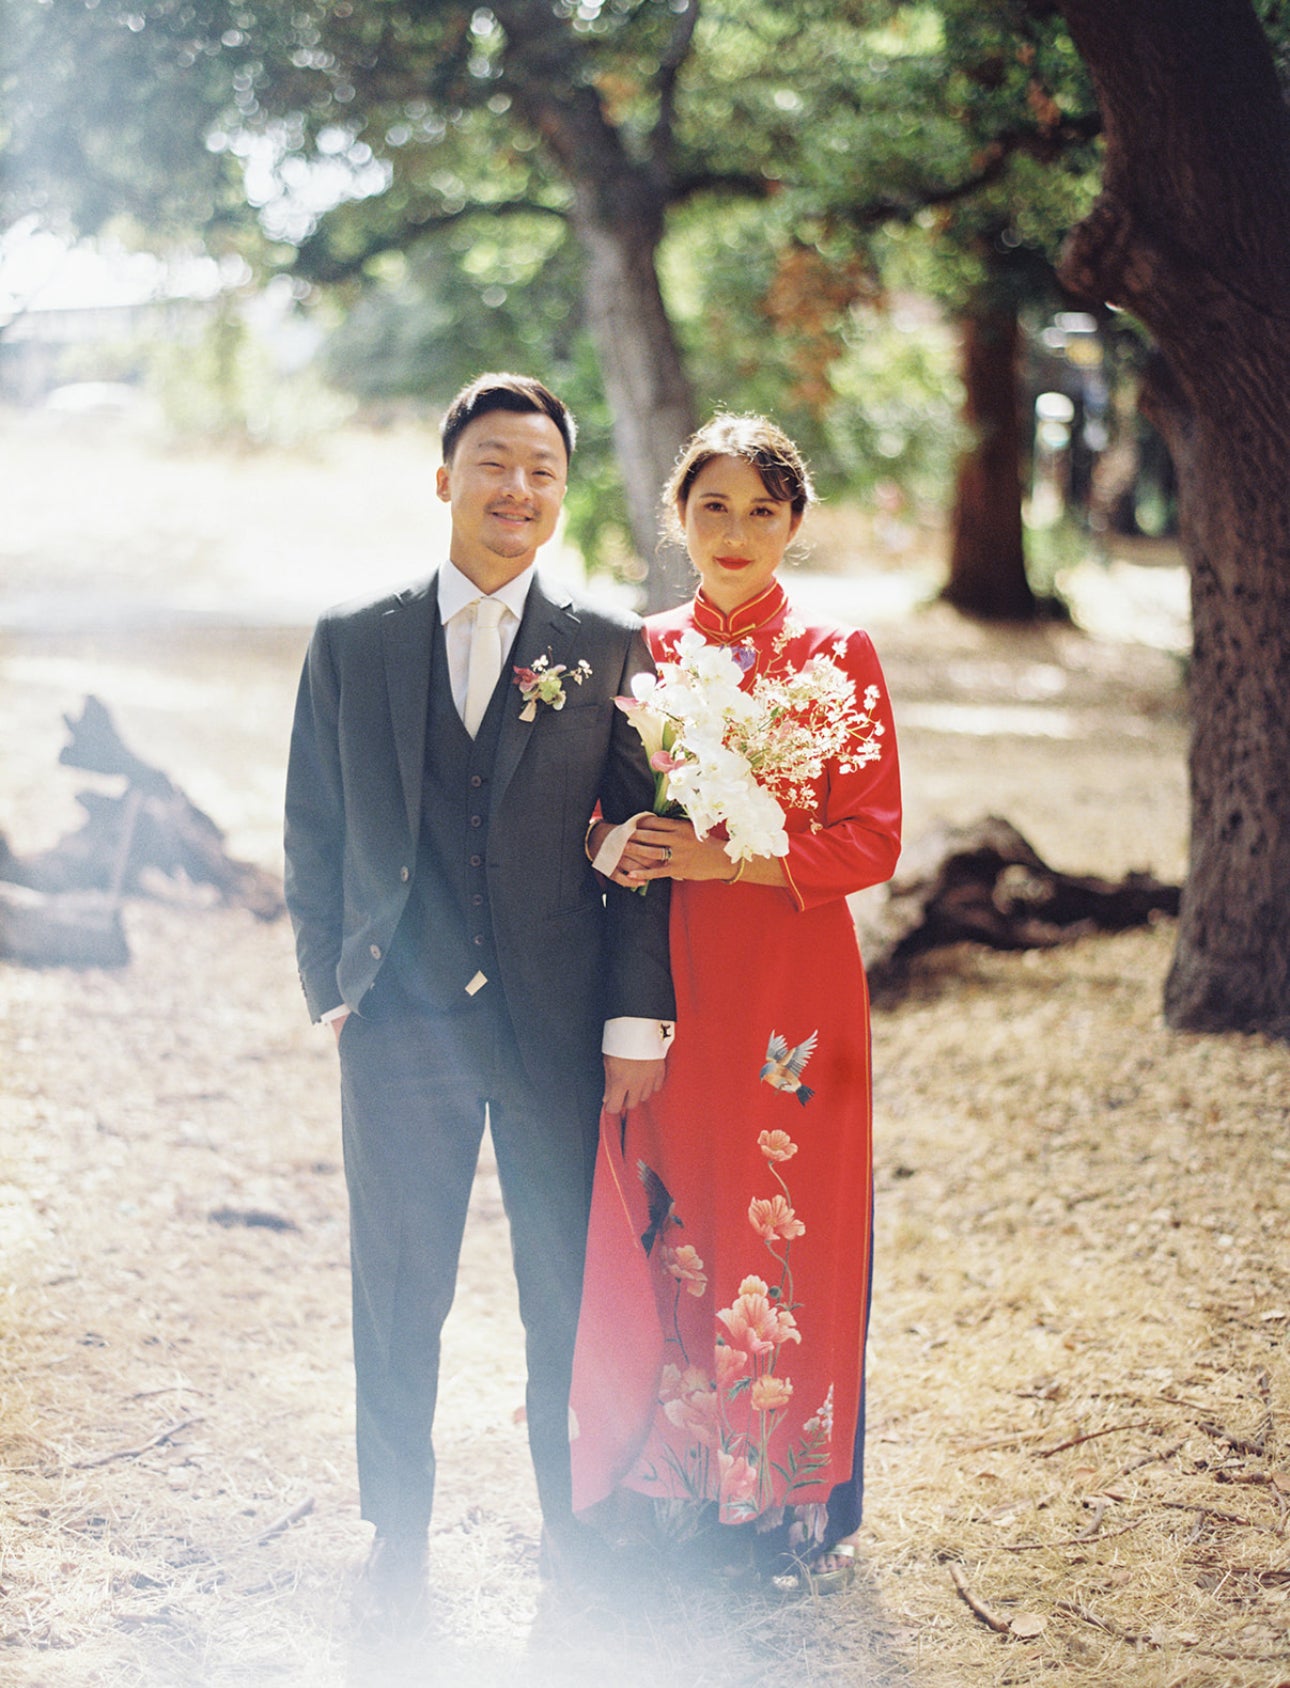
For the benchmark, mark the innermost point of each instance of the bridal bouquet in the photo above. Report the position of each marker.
(725, 754)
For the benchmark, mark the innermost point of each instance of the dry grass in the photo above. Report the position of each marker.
(1079, 1392)
(1078, 1373)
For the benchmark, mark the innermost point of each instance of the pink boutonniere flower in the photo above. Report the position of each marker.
(543, 683)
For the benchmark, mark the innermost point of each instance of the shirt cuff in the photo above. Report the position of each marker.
(610, 853)
(635, 1039)
(335, 1013)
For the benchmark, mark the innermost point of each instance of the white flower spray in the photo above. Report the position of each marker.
(723, 753)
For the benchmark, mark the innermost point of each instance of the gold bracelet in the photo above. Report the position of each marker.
(739, 872)
(586, 838)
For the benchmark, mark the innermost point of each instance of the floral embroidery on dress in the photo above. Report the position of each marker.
(686, 1267)
(776, 1145)
(729, 1405)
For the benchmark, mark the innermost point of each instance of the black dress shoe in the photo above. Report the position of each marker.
(567, 1552)
(393, 1596)
(574, 1560)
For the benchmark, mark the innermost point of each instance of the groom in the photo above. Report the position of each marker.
(450, 928)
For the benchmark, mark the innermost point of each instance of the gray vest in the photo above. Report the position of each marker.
(445, 935)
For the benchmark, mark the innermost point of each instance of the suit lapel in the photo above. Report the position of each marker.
(408, 637)
(548, 629)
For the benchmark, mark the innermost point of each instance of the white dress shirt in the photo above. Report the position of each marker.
(456, 595)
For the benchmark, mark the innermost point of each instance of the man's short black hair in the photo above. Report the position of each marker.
(502, 391)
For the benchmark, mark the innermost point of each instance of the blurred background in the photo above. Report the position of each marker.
(248, 251)
(235, 236)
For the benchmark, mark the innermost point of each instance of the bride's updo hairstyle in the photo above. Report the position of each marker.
(760, 443)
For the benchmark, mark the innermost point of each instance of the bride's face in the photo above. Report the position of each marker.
(735, 532)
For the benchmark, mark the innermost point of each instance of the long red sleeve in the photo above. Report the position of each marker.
(854, 840)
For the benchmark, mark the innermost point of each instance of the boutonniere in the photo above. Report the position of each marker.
(545, 684)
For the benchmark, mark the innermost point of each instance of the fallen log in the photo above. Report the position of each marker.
(70, 928)
(151, 825)
(73, 929)
(94, 744)
(986, 884)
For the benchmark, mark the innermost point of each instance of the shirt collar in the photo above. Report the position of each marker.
(744, 619)
(457, 592)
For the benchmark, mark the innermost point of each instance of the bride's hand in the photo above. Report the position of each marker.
(665, 848)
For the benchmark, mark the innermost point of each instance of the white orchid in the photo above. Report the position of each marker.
(726, 753)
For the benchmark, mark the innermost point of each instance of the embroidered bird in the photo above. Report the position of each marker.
(661, 1211)
(783, 1069)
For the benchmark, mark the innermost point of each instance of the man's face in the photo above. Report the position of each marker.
(505, 486)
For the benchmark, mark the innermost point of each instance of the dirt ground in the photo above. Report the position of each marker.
(1079, 1454)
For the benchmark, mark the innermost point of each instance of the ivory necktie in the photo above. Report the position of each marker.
(485, 661)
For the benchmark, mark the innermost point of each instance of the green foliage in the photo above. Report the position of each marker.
(493, 293)
(224, 388)
(489, 294)
(813, 161)
(107, 113)
(896, 412)
(864, 381)
(1274, 15)
(1053, 548)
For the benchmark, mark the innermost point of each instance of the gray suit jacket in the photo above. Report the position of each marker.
(570, 955)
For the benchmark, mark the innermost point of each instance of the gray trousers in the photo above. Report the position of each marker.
(414, 1090)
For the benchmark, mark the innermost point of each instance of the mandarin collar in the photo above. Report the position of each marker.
(745, 618)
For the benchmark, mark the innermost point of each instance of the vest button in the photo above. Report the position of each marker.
(476, 820)
(376, 952)
(477, 899)
(404, 875)
(476, 780)
(476, 861)
(479, 942)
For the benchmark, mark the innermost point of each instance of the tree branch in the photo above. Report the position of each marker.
(1044, 144)
(686, 185)
(674, 57)
(316, 262)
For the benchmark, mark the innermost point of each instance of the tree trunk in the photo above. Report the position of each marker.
(1192, 234)
(987, 547)
(645, 384)
(619, 204)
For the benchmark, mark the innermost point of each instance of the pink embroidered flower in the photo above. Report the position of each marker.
(774, 1218)
(777, 1145)
(731, 1364)
(771, 1394)
(689, 1402)
(756, 1323)
(684, 1264)
(695, 1415)
(738, 1479)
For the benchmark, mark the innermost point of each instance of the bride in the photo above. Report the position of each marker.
(719, 1370)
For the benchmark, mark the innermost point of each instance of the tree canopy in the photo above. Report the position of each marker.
(716, 201)
(780, 165)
